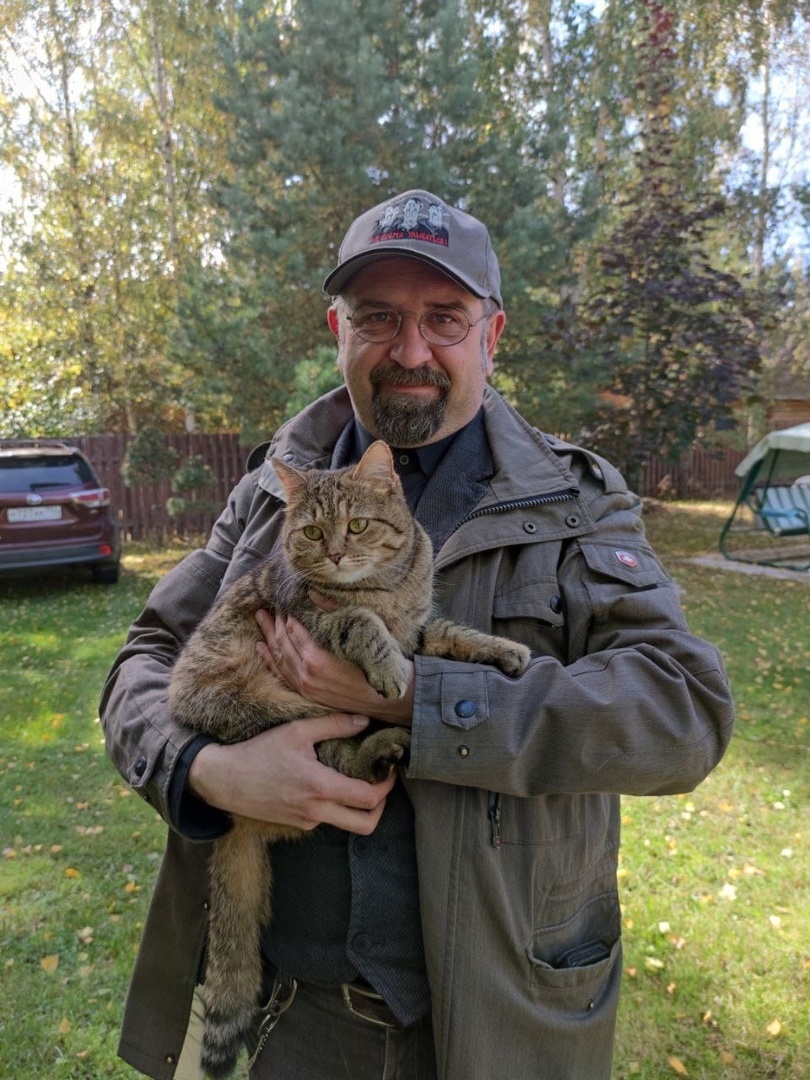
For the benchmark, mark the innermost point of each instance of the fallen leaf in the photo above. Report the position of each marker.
(72, 872)
(774, 1028)
(49, 963)
(726, 1057)
(677, 1065)
(64, 1026)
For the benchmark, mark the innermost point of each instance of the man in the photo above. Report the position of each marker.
(461, 921)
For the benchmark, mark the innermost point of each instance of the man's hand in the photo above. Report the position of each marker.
(320, 677)
(276, 776)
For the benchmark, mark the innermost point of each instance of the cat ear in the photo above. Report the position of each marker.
(377, 465)
(292, 480)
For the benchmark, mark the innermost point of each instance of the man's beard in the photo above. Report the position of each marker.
(402, 420)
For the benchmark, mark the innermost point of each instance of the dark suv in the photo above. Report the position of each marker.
(53, 510)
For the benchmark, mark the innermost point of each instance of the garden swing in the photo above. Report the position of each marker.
(770, 522)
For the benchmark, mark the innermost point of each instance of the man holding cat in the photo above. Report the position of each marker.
(463, 924)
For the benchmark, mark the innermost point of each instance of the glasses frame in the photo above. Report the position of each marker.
(420, 319)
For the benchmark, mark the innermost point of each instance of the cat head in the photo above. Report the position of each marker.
(346, 526)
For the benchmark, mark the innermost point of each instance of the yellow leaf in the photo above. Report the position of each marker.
(64, 1026)
(49, 963)
(131, 886)
(677, 1065)
(72, 872)
(774, 1028)
(726, 1057)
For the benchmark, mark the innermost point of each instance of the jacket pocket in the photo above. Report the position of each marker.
(582, 950)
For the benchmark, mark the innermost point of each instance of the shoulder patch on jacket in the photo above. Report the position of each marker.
(632, 564)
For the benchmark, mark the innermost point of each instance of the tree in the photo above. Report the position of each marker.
(676, 340)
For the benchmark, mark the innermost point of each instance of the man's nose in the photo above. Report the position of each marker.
(409, 349)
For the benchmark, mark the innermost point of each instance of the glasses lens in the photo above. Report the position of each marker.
(444, 327)
(375, 324)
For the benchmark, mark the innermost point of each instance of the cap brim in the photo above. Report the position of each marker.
(341, 275)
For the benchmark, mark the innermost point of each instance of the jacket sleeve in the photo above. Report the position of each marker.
(144, 743)
(642, 706)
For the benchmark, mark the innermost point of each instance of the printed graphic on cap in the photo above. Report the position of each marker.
(626, 558)
(415, 219)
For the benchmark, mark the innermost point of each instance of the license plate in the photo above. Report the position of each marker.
(34, 513)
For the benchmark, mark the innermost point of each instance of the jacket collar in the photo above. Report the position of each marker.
(523, 466)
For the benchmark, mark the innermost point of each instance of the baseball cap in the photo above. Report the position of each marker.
(421, 226)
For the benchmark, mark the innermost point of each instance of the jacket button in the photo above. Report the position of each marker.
(556, 605)
(464, 751)
(572, 521)
(465, 709)
(529, 527)
(170, 1059)
(140, 766)
(362, 942)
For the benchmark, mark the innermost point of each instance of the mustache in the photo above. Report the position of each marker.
(397, 376)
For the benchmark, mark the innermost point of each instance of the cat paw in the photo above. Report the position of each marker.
(380, 752)
(390, 679)
(512, 658)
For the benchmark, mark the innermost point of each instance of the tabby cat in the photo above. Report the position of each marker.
(349, 536)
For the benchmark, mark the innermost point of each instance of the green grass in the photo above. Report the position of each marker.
(715, 883)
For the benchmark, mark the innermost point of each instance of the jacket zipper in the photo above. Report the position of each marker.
(524, 504)
(494, 811)
(494, 815)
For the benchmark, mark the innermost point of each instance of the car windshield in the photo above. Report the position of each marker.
(38, 472)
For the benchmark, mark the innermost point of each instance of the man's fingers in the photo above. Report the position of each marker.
(337, 725)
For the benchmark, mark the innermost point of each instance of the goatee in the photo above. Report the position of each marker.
(402, 420)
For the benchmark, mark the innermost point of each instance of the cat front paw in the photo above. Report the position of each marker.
(512, 658)
(390, 678)
(382, 750)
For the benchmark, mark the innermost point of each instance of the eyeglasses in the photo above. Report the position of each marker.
(440, 326)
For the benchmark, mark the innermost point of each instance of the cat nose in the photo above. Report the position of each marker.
(336, 556)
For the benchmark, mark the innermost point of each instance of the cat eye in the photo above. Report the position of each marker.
(358, 525)
(312, 532)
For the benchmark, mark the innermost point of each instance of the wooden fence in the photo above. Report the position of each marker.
(142, 509)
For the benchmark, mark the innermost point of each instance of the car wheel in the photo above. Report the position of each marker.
(106, 575)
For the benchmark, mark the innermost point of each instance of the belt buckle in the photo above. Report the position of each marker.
(347, 989)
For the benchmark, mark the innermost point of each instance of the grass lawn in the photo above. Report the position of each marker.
(715, 883)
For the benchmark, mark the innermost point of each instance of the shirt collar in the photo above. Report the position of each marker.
(425, 458)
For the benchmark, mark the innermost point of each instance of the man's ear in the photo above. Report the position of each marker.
(332, 319)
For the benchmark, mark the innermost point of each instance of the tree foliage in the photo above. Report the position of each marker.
(674, 338)
(179, 176)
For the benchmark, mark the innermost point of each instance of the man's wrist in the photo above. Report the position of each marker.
(190, 813)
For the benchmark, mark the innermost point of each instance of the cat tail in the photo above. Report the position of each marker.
(240, 877)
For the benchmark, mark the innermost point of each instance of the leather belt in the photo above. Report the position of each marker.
(364, 1002)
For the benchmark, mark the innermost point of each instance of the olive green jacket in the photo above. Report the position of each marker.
(515, 792)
